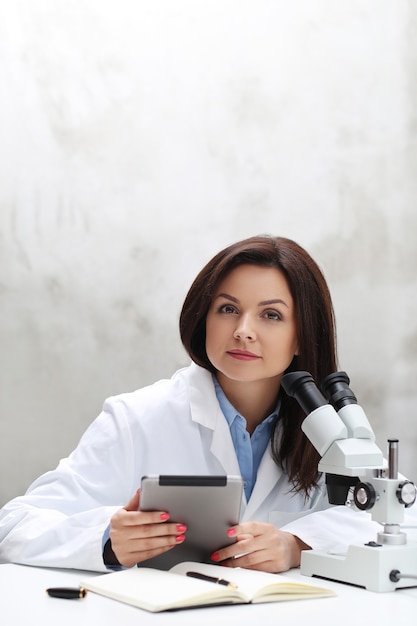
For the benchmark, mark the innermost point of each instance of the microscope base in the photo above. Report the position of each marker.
(364, 566)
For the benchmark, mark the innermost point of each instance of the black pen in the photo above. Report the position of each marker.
(69, 593)
(211, 579)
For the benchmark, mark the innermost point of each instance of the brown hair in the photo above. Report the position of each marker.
(316, 335)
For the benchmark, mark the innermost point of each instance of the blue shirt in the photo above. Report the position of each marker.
(249, 449)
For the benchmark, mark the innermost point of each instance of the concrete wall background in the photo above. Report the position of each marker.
(137, 138)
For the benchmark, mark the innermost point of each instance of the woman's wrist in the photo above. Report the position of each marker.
(109, 557)
(298, 546)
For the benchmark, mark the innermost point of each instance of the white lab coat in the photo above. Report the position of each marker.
(172, 427)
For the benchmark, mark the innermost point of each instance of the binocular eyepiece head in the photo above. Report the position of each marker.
(335, 387)
(337, 394)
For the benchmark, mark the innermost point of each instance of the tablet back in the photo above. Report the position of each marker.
(208, 505)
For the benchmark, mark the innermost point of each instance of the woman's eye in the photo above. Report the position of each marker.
(273, 315)
(227, 308)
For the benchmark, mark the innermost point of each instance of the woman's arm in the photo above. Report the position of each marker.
(61, 519)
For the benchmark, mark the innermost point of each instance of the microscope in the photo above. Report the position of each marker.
(356, 475)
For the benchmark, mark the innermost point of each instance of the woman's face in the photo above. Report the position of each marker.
(251, 333)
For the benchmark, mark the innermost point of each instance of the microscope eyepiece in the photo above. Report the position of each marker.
(301, 386)
(336, 389)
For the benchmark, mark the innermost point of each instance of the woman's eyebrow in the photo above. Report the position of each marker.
(274, 301)
(227, 296)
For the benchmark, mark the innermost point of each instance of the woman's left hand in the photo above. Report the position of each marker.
(261, 546)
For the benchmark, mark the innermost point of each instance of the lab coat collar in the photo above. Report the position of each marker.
(205, 409)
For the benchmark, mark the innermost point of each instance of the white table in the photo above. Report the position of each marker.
(23, 600)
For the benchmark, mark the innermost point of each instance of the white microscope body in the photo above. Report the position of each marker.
(343, 437)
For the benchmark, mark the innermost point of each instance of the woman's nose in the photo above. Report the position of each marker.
(244, 331)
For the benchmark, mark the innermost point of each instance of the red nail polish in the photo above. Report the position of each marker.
(179, 538)
(231, 532)
(164, 516)
(181, 528)
(215, 556)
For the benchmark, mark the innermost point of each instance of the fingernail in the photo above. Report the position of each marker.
(181, 528)
(215, 556)
(164, 516)
(179, 538)
(231, 532)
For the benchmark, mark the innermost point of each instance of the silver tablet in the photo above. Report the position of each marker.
(208, 505)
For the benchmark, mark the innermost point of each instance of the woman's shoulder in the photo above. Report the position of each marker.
(176, 389)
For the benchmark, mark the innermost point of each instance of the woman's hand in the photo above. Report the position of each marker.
(261, 546)
(139, 535)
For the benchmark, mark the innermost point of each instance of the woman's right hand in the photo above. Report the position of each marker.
(139, 535)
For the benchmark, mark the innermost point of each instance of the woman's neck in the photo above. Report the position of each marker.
(253, 400)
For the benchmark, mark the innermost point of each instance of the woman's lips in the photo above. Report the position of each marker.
(243, 355)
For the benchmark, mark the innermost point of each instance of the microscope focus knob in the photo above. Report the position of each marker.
(406, 493)
(364, 496)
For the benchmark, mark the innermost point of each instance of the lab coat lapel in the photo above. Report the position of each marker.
(222, 446)
(205, 410)
(268, 475)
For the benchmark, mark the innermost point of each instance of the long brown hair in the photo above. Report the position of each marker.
(316, 334)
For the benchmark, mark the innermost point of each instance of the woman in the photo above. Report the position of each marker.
(260, 308)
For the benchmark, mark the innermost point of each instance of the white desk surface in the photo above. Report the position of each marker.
(23, 600)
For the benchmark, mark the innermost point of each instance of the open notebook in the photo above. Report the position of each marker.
(157, 590)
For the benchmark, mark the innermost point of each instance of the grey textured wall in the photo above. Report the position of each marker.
(139, 137)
